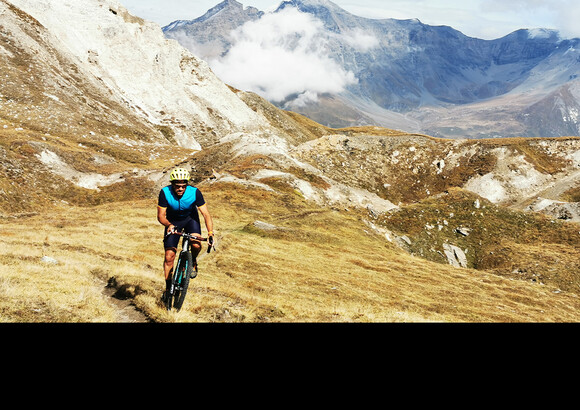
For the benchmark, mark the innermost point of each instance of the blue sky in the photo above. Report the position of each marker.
(487, 19)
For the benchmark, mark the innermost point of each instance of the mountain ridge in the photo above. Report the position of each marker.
(414, 66)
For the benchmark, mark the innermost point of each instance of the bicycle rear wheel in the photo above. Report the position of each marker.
(182, 273)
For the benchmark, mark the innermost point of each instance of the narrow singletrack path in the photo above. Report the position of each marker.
(126, 311)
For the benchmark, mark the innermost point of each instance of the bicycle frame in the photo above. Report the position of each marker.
(183, 270)
(189, 237)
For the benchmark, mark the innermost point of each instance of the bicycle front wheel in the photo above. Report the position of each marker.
(184, 268)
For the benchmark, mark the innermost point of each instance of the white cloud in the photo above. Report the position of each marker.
(362, 41)
(303, 99)
(281, 55)
(562, 15)
(568, 22)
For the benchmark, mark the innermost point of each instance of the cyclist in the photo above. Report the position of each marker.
(177, 210)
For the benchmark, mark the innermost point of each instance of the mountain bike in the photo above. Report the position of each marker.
(185, 269)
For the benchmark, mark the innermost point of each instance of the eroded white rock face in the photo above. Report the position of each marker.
(514, 177)
(156, 77)
(89, 180)
(487, 186)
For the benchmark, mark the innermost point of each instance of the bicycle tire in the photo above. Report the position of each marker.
(168, 298)
(183, 271)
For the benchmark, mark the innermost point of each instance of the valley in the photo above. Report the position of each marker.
(400, 74)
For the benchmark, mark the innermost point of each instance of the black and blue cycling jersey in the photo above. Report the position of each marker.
(181, 212)
(180, 208)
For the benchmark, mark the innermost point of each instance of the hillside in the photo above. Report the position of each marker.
(314, 224)
(302, 264)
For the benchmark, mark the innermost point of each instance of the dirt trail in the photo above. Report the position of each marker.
(126, 311)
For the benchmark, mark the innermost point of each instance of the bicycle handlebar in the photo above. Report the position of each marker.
(195, 238)
(188, 236)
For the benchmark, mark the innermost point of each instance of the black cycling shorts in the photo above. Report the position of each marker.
(189, 225)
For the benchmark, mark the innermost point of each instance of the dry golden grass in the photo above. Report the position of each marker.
(571, 195)
(32, 290)
(523, 245)
(320, 265)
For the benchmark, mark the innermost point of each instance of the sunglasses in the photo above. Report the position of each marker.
(179, 186)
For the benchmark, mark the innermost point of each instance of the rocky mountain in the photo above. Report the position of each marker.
(417, 77)
(167, 89)
(96, 105)
(199, 34)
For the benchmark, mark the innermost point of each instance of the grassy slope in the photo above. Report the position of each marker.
(325, 265)
(522, 245)
(320, 266)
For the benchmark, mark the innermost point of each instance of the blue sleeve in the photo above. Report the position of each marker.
(199, 201)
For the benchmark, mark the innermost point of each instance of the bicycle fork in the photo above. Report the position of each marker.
(176, 274)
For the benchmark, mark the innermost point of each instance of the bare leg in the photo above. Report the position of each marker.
(195, 249)
(168, 263)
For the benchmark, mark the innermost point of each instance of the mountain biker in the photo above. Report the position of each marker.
(177, 210)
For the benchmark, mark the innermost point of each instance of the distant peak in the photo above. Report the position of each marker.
(310, 3)
(225, 4)
(328, 12)
(230, 3)
(315, 2)
(543, 33)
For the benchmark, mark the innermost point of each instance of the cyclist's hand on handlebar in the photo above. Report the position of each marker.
(170, 229)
